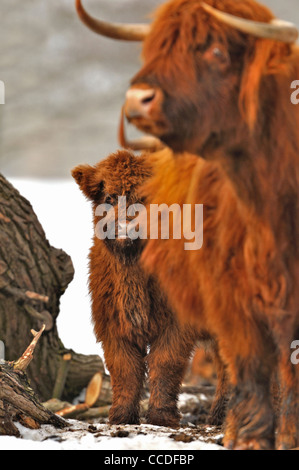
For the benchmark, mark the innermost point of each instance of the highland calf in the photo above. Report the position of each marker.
(130, 313)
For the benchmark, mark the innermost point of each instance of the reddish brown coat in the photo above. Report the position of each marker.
(129, 311)
(234, 107)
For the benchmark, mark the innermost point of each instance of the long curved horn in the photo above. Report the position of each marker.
(146, 142)
(126, 32)
(277, 30)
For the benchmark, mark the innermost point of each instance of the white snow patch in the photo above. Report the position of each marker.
(187, 399)
(79, 437)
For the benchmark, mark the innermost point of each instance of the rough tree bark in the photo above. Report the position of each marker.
(33, 277)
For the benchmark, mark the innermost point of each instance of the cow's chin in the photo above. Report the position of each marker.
(175, 143)
(152, 127)
(175, 139)
(127, 251)
(178, 144)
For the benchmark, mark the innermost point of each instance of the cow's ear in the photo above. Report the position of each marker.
(85, 176)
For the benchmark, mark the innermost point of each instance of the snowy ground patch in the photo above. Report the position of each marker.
(83, 436)
(99, 435)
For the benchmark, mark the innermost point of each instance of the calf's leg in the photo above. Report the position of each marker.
(125, 362)
(167, 362)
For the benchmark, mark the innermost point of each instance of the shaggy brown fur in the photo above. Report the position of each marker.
(130, 313)
(234, 106)
(199, 283)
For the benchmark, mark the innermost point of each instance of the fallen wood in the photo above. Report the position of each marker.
(62, 375)
(56, 405)
(105, 397)
(92, 394)
(17, 397)
(18, 402)
(94, 413)
(83, 413)
(73, 411)
(94, 390)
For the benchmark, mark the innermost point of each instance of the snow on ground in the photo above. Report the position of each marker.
(83, 436)
(99, 435)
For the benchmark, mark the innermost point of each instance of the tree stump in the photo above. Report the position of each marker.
(33, 277)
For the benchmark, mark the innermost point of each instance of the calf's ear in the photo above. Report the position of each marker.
(85, 176)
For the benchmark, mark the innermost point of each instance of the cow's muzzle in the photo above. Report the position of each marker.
(140, 103)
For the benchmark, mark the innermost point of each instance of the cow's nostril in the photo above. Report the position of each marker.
(148, 99)
(138, 102)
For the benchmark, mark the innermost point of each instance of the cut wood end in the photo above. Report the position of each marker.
(67, 357)
(29, 422)
(94, 389)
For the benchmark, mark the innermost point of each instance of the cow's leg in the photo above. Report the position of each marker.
(288, 374)
(219, 405)
(126, 364)
(167, 363)
(250, 417)
(289, 416)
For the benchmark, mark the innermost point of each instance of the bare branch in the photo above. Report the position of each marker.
(24, 361)
(72, 411)
(35, 296)
(4, 218)
(45, 317)
(62, 376)
(28, 295)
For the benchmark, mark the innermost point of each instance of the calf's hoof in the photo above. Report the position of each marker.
(164, 418)
(121, 415)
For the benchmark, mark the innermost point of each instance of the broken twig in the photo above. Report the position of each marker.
(24, 361)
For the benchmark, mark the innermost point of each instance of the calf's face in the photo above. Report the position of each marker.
(112, 187)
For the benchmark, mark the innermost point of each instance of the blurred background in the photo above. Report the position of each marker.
(64, 90)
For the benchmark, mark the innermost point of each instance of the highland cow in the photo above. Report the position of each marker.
(216, 82)
(129, 310)
(233, 105)
(229, 107)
